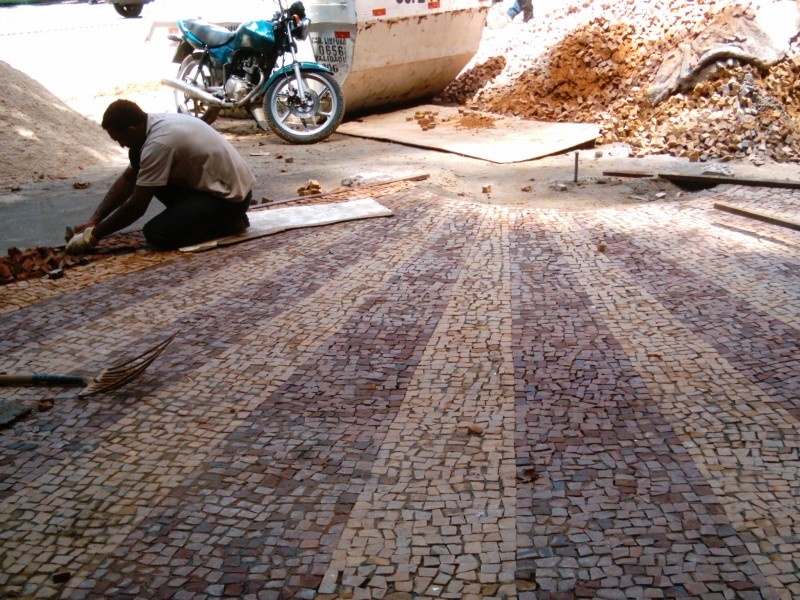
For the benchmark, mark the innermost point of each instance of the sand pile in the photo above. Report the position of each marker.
(41, 137)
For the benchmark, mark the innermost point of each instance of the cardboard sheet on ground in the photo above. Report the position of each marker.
(481, 135)
(271, 221)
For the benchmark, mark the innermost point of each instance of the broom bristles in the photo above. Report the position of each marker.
(118, 375)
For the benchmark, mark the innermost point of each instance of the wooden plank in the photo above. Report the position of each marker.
(340, 189)
(679, 178)
(709, 180)
(758, 216)
(269, 222)
(629, 174)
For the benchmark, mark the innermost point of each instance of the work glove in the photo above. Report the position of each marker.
(81, 242)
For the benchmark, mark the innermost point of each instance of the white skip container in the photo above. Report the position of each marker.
(386, 52)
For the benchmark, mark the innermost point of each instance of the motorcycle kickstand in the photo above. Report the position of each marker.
(258, 116)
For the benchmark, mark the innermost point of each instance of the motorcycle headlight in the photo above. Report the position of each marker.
(300, 30)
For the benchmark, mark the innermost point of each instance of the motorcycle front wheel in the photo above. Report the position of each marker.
(304, 121)
(191, 73)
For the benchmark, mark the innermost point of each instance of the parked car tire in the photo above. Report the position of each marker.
(129, 11)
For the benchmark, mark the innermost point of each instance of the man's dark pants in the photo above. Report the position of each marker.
(192, 217)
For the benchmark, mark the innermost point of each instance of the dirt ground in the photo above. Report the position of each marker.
(58, 162)
(85, 156)
(46, 140)
(548, 182)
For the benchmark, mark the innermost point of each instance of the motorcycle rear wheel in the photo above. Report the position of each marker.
(190, 72)
(304, 122)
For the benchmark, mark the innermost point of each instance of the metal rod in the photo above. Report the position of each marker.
(576, 167)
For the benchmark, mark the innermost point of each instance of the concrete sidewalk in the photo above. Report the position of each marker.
(461, 401)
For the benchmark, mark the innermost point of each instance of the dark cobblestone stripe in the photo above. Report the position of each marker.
(761, 347)
(744, 445)
(436, 519)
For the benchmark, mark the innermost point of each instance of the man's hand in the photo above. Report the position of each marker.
(82, 226)
(81, 242)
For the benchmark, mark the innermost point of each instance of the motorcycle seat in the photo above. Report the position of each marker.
(208, 33)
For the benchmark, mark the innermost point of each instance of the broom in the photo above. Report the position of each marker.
(108, 380)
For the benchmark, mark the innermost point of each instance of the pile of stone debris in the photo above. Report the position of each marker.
(703, 79)
(33, 263)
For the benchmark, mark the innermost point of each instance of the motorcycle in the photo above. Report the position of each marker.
(248, 68)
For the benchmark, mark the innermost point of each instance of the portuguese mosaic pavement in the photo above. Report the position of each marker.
(460, 401)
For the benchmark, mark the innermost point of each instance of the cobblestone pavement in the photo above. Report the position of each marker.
(461, 401)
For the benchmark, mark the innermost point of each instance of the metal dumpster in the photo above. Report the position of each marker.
(390, 51)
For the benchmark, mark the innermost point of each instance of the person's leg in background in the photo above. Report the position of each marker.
(527, 10)
(521, 6)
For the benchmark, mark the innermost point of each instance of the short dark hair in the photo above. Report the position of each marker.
(122, 114)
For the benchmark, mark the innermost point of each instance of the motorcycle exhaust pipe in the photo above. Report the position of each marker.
(196, 92)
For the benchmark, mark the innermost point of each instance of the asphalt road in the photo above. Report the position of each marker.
(75, 45)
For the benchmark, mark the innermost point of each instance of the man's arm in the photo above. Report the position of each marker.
(126, 213)
(118, 193)
(112, 215)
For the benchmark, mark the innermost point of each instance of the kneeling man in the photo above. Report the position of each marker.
(192, 169)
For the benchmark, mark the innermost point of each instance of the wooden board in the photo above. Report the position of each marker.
(757, 215)
(480, 135)
(690, 179)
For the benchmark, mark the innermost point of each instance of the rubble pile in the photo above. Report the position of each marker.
(33, 263)
(53, 263)
(311, 188)
(473, 80)
(596, 61)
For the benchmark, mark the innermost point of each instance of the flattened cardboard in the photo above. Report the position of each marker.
(271, 221)
(506, 140)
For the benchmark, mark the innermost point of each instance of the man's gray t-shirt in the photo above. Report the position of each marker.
(184, 151)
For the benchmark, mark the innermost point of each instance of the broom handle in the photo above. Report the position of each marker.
(42, 379)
